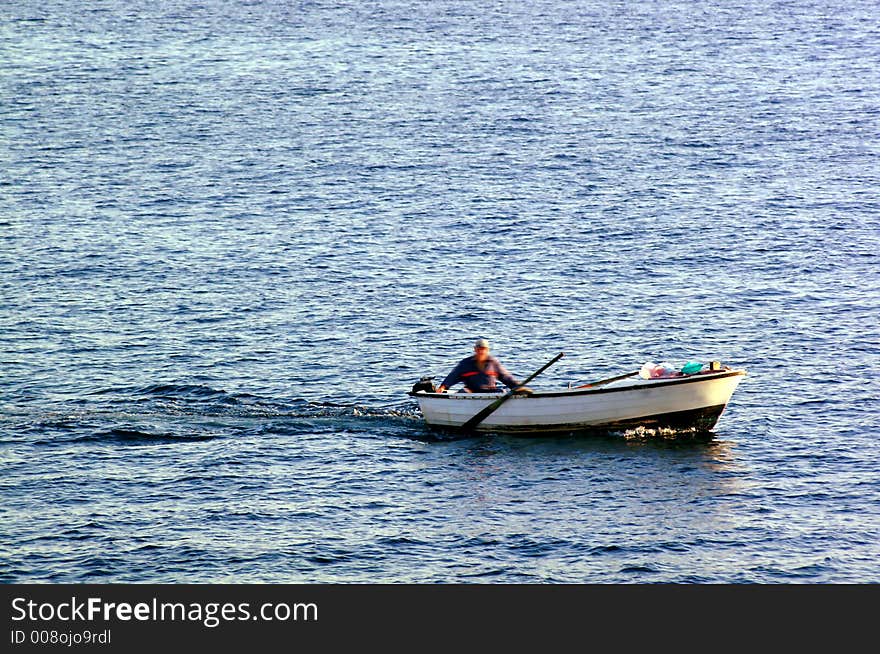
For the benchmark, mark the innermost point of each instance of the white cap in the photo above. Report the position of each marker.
(481, 342)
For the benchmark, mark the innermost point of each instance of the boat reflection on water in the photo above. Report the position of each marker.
(683, 467)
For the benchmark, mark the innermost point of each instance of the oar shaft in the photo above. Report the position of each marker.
(543, 368)
(609, 380)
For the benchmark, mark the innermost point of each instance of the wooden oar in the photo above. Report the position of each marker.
(609, 380)
(485, 413)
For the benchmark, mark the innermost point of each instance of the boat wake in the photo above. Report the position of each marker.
(204, 400)
(137, 437)
(179, 413)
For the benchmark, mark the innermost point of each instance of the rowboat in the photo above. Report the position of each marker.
(682, 403)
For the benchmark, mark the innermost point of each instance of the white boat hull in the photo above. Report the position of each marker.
(694, 402)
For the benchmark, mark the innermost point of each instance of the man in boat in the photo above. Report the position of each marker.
(480, 372)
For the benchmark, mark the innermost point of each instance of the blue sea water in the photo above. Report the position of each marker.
(235, 233)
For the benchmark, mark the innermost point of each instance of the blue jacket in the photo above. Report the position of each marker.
(480, 381)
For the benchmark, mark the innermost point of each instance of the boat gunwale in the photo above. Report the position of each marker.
(574, 392)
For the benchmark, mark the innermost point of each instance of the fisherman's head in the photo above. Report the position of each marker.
(481, 349)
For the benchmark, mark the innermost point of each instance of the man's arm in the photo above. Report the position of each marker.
(452, 378)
